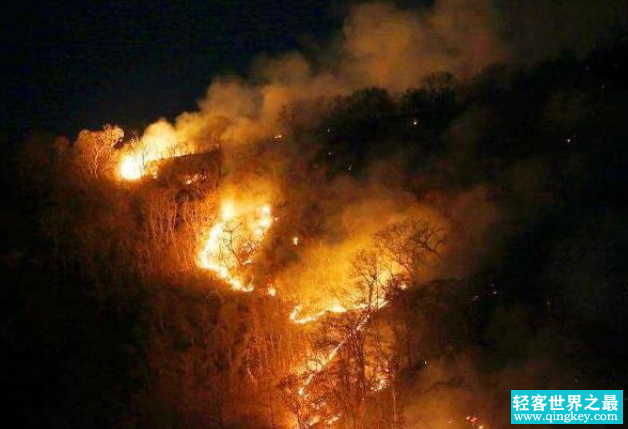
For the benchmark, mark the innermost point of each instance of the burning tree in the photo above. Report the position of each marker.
(356, 354)
(96, 150)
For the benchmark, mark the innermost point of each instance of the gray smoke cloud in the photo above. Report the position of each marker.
(380, 45)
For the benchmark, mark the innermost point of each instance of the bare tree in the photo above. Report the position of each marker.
(96, 150)
(411, 245)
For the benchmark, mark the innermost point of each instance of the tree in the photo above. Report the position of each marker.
(96, 152)
(410, 245)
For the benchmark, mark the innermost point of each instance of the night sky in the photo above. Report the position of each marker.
(69, 65)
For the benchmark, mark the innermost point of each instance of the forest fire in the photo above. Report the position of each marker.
(233, 241)
(318, 364)
(389, 229)
(231, 247)
(295, 316)
(141, 155)
(229, 251)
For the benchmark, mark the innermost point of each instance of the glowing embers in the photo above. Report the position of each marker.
(297, 316)
(299, 319)
(232, 243)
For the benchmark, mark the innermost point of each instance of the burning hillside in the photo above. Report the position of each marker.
(232, 243)
(357, 257)
(392, 230)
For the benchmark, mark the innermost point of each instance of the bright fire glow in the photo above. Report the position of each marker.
(296, 317)
(321, 360)
(230, 248)
(158, 142)
(130, 168)
(232, 243)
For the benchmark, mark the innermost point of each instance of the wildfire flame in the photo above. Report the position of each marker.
(302, 320)
(242, 231)
(230, 247)
(130, 168)
(158, 142)
(232, 243)
(319, 363)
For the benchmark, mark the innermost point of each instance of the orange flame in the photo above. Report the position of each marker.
(222, 249)
(158, 142)
(302, 320)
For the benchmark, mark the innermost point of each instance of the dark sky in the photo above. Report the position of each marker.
(67, 65)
